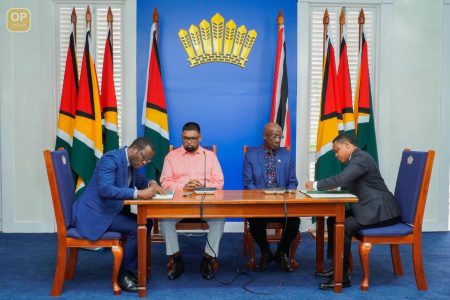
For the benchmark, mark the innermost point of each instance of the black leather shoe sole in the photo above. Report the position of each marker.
(329, 285)
(326, 274)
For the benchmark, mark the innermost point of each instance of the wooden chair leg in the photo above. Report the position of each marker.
(71, 263)
(293, 251)
(149, 256)
(364, 251)
(396, 260)
(251, 248)
(419, 272)
(245, 245)
(117, 252)
(58, 280)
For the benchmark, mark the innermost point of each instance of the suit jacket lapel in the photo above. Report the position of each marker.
(262, 163)
(124, 164)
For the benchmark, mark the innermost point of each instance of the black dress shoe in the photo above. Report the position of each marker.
(177, 268)
(206, 268)
(327, 274)
(283, 262)
(329, 284)
(266, 258)
(127, 284)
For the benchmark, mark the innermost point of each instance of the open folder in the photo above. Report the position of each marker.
(327, 194)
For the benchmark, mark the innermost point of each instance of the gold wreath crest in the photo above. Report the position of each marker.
(217, 42)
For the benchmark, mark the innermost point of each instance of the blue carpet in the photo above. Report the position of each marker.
(27, 264)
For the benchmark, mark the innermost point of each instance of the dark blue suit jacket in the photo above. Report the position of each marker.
(103, 198)
(254, 176)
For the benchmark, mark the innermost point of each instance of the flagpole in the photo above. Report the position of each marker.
(88, 18)
(156, 21)
(326, 21)
(361, 21)
(341, 27)
(109, 19)
(73, 20)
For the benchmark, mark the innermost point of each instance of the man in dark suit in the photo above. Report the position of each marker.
(270, 166)
(101, 207)
(376, 207)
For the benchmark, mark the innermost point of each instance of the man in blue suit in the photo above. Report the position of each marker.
(101, 207)
(270, 166)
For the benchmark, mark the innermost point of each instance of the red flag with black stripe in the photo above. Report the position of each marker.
(280, 105)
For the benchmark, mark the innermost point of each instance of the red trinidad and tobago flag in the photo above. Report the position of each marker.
(66, 119)
(108, 99)
(345, 88)
(280, 106)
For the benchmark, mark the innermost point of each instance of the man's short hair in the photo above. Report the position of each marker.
(141, 143)
(191, 126)
(345, 137)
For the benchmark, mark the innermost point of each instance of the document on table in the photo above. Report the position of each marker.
(167, 196)
(327, 194)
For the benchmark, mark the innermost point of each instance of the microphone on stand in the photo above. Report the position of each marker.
(204, 190)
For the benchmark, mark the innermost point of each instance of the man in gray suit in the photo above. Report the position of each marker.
(376, 207)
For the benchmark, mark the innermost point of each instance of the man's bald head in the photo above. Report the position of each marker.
(272, 135)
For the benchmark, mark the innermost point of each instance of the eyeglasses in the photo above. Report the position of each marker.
(190, 139)
(277, 137)
(145, 159)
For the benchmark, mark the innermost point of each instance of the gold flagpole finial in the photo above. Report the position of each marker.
(155, 15)
(361, 18)
(73, 20)
(326, 17)
(109, 17)
(73, 17)
(280, 18)
(88, 18)
(342, 16)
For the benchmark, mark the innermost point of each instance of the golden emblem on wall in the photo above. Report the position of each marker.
(217, 42)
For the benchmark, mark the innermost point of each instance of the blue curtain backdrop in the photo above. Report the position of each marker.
(230, 103)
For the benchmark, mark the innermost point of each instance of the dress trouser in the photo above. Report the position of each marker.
(125, 223)
(351, 229)
(216, 227)
(290, 229)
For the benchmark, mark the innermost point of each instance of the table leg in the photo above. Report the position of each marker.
(319, 243)
(142, 252)
(339, 249)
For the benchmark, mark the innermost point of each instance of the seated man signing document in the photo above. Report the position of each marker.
(376, 207)
(186, 168)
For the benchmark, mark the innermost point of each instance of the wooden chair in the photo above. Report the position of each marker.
(411, 194)
(274, 236)
(184, 224)
(63, 195)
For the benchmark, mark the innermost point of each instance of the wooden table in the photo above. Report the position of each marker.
(244, 204)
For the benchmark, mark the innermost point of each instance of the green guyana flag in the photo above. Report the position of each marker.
(330, 121)
(154, 113)
(364, 121)
(87, 138)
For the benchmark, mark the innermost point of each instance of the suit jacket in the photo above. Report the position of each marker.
(103, 198)
(362, 178)
(254, 171)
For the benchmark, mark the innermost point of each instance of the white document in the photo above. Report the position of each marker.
(327, 194)
(167, 196)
